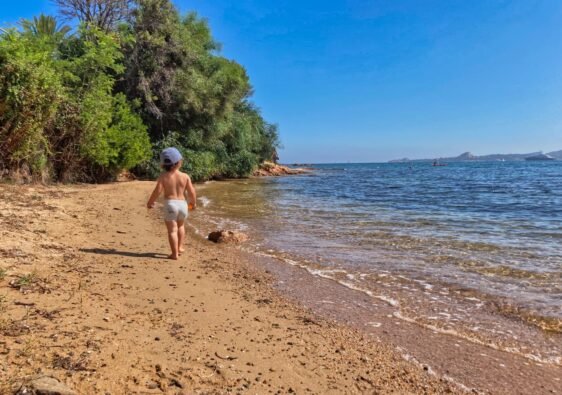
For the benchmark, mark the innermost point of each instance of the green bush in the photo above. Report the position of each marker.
(241, 164)
(124, 143)
(202, 165)
(30, 92)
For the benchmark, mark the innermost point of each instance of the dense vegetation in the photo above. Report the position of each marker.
(131, 79)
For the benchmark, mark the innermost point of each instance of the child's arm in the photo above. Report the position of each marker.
(157, 191)
(191, 193)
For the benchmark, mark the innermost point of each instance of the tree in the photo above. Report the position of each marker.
(153, 59)
(111, 95)
(44, 25)
(104, 14)
(191, 96)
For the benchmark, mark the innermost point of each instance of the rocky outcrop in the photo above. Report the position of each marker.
(125, 176)
(227, 236)
(268, 169)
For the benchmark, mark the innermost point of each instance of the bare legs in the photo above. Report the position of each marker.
(181, 237)
(176, 237)
(172, 227)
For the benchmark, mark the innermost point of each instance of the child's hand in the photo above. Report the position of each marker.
(192, 206)
(149, 205)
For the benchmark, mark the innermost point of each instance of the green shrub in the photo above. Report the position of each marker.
(201, 165)
(30, 91)
(241, 164)
(124, 143)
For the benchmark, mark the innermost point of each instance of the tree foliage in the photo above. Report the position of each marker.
(45, 25)
(30, 92)
(60, 117)
(153, 58)
(106, 98)
(104, 14)
(191, 92)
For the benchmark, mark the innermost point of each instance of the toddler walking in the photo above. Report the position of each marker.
(175, 185)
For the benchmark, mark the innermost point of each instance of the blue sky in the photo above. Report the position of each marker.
(373, 80)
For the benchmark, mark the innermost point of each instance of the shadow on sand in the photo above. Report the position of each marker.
(112, 251)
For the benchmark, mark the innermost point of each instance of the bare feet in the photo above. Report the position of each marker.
(182, 250)
(172, 256)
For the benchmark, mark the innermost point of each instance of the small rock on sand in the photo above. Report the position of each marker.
(44, 385)
(152, 385)
(227, 236)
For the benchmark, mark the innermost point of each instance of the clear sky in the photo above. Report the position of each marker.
(373, 80)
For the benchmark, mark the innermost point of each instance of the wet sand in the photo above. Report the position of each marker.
(475, 367)
(87, 297)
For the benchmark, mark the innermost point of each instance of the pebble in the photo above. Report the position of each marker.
(151, 385)
(44, 385)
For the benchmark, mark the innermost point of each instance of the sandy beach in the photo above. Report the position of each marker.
(88, 299)
(374, 198)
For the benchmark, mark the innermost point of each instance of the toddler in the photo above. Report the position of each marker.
(175, 185)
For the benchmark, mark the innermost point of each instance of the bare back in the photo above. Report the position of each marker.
(174, 184)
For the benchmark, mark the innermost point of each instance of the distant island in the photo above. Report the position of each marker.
(467, 156)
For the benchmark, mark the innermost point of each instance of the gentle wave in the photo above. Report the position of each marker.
(471, 337)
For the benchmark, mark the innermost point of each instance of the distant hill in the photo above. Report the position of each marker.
(468, 156)
(556, 154)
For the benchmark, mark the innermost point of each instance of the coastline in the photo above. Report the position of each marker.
(469, 358)
(87, 298)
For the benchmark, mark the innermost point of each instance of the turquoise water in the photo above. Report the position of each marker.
(451, 246)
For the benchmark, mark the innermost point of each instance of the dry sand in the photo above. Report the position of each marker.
(86, 297)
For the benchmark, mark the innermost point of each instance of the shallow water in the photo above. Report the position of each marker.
(470, 249)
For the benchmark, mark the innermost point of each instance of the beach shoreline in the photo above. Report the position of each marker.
(88, 299)
(463, 354)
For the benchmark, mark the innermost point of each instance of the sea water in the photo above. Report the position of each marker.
(472, 248)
